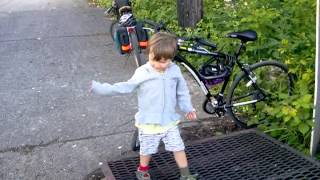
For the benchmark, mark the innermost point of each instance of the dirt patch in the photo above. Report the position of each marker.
(206, 128)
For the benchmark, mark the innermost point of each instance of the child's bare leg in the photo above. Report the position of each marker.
(182, 162)
(144, 160)
(142, 171)
(181, 159)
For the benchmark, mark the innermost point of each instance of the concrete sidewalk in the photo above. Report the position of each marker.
(50, 127)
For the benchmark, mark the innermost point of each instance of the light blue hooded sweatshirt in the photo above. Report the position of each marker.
(158, 93)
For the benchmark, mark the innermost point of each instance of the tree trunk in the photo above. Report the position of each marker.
(190, 12)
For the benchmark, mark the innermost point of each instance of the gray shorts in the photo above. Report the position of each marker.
(172, 140)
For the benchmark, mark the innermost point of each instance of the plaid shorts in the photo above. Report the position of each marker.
(172, 140)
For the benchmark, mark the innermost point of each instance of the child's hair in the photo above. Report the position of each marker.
(162, 45)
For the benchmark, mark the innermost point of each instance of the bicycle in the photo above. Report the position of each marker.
(122, 11)
(255, 87)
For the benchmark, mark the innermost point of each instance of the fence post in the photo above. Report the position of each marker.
(189, 12)
(315, 134)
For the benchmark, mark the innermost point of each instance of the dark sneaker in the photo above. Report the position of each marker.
(143, 175)
(189, 177)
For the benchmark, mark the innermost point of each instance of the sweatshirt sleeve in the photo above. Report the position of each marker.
(183, 96)
(117, 88)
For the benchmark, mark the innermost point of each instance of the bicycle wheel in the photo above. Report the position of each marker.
(112, 29)
(136, 49)
(248, 104)
(135, 144)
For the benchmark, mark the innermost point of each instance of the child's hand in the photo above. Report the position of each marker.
(191, 115)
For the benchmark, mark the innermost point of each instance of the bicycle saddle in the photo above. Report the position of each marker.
(124, 10)
(247, 35)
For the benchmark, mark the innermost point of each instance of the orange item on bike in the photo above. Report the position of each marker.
(142, 35)
(126, 48)
(143, 44)
(122, 41)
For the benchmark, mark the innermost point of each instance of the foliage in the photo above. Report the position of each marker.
(104, 3)
(286, 32)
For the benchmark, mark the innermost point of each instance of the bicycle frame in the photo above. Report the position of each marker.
(131, 30)
(135, 48)
(218, 103)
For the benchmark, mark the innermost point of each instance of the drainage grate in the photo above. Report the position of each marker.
(245, 155)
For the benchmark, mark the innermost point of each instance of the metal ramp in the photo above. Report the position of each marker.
(247, 154)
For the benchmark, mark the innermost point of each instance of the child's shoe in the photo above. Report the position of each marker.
(143, 175)
(189, 177)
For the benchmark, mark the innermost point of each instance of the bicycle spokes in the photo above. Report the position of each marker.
(251, 98)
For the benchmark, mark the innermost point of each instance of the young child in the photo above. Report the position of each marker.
(159, 85)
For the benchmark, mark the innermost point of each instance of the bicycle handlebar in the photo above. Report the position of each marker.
(200, 41)
(108, 11)
(157, 26)
(191, 44)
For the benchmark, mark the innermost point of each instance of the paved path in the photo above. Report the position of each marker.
(50, 127)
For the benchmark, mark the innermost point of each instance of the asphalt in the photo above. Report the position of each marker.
(50, 127)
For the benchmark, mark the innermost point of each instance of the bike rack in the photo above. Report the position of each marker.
(247, 154)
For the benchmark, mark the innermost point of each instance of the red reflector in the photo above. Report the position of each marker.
(130, 29)
(126, 48)
(143, 44)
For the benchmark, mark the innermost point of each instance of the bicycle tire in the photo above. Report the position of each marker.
(112, 29)
(136, 50)
(275, 87)
(135, 143)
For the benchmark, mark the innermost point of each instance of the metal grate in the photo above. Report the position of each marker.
(249, 155)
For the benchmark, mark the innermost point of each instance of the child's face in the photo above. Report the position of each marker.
(160, 65)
